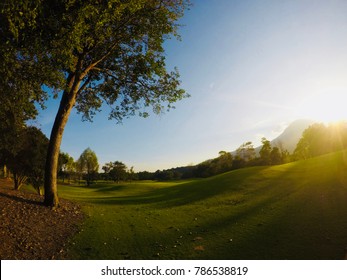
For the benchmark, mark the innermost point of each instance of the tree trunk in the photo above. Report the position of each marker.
(18, 180)
(5, 172)
(66, 104)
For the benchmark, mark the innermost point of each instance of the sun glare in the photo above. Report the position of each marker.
(325, 107)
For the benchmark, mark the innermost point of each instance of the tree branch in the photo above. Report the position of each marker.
(92, 65)
(83, 87)
(109, 51)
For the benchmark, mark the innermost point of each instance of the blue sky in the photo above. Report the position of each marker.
(251, 68)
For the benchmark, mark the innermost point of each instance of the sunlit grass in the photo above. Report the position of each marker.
(291, 211)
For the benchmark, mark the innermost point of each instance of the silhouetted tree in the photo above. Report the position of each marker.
(246, 152)
(145, 175)
(275, 156)
(27, 160)
(225, 161)
(265, 152)
(131, 174)
(320, 139)
(66, 165)
(312, 143)
(118, 171)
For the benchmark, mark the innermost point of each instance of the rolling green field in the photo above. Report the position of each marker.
(291, 211)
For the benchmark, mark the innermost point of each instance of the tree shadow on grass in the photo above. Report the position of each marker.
(111, 188)
(276, 221)
(285, 220)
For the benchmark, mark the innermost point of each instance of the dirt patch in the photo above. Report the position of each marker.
(29, 230)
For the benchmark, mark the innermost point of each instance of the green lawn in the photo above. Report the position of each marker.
(291, 211)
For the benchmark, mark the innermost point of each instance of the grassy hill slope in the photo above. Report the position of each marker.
(291, 211)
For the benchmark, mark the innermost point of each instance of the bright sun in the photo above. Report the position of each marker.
(325, 107)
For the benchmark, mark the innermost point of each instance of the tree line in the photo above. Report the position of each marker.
(316, 140)
(244, 156)
(86, 169)
(23, 152)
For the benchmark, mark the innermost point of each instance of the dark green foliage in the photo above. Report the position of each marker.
(219, 165)
(271, 155)
(14, 112)
(115, 171)
(131, 174)
(265, 152)
(145, 175)
(167, 175)
(205, 169)
(66, 166)
(26, 158)
(24, 67)
(112, 49)
(225, 160)
(176, 173)
(22, 149)
(239, 163)
(275, 156)
(36, 156)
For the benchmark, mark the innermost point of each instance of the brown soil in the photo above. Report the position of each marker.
(29, 230)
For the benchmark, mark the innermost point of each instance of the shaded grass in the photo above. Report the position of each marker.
(291, 211)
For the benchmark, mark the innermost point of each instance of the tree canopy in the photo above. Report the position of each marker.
(116, 171)
(25, 157)
(265, 152)
(112, 49)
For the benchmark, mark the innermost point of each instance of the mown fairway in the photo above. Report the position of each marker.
(291, 211)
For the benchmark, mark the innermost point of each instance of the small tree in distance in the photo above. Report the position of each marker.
(66, 165)
(275, 156)
(88, 164)
(246, 151)
(265, 152)
(116, 171)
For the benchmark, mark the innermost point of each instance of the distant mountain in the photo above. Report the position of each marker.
(289, 137)
(292, 134)
(287, 140)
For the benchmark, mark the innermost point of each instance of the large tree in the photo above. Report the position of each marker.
(98, 51)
